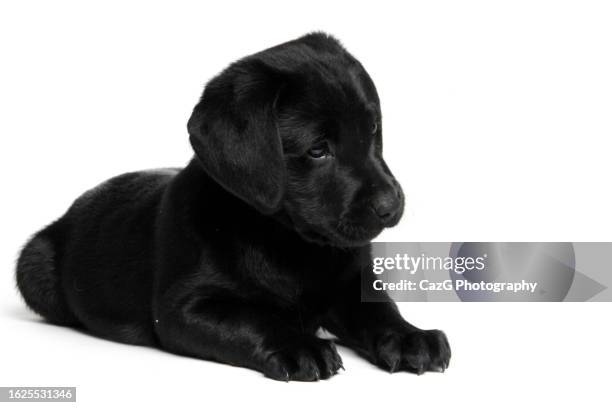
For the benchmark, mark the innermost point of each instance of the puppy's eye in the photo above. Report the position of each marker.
(319, 151)
(374, 127)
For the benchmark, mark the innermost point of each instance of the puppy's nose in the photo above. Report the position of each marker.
(386, 206)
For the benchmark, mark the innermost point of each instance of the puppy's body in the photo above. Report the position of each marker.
(242, 255)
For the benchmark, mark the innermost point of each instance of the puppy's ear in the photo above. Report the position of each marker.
(234, 133)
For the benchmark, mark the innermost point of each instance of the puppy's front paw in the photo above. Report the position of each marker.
(307, 359)
(413, 350)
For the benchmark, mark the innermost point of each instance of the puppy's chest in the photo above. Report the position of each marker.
(297, 276)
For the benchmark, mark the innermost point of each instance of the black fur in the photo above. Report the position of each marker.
(244, 254)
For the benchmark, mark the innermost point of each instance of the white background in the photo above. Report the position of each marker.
(497, 119)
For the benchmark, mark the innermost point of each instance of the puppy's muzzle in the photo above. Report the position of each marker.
(387, 205)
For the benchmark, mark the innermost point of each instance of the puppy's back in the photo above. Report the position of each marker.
(105, 239)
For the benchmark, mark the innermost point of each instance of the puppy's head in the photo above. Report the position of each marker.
(295, 131)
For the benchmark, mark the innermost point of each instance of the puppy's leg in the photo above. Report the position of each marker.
(378, 332)
(248, 336)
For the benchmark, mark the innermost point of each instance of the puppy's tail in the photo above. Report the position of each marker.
(38, 277)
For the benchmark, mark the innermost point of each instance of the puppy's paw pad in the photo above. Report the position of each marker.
(307, 360)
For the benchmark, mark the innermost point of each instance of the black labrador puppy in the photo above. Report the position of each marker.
(261, 240)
